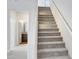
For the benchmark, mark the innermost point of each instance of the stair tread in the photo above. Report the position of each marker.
(45, 16)
(48, 28)
(47, 24)
(49, 37)
(57, 42)
(52, 49)
(49, 32)
(48, 20)
(49, 40)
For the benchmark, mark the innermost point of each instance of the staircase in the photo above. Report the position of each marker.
(50, 41)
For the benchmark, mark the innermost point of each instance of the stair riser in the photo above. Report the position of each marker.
(54, 53)
(44, 8)
(46, 19)
(45, 16)
(48, 29)
(42, 22)
(48, 25)
(48, 46)
(49, 34)
(49, 39)
(45, 13)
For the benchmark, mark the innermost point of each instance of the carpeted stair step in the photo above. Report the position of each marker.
(52, 52)
(49, 34)
(48, 45)
(53, 29)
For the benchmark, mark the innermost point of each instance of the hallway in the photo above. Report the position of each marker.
(19, 52)
(39, 29)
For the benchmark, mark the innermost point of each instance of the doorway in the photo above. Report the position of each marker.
(22, 18)
(18, 27)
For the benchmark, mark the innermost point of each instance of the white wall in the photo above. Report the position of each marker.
(8, 31)
(64, 7)
(22, 19)
(12, 29)
(31, 7)
(43, 3)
